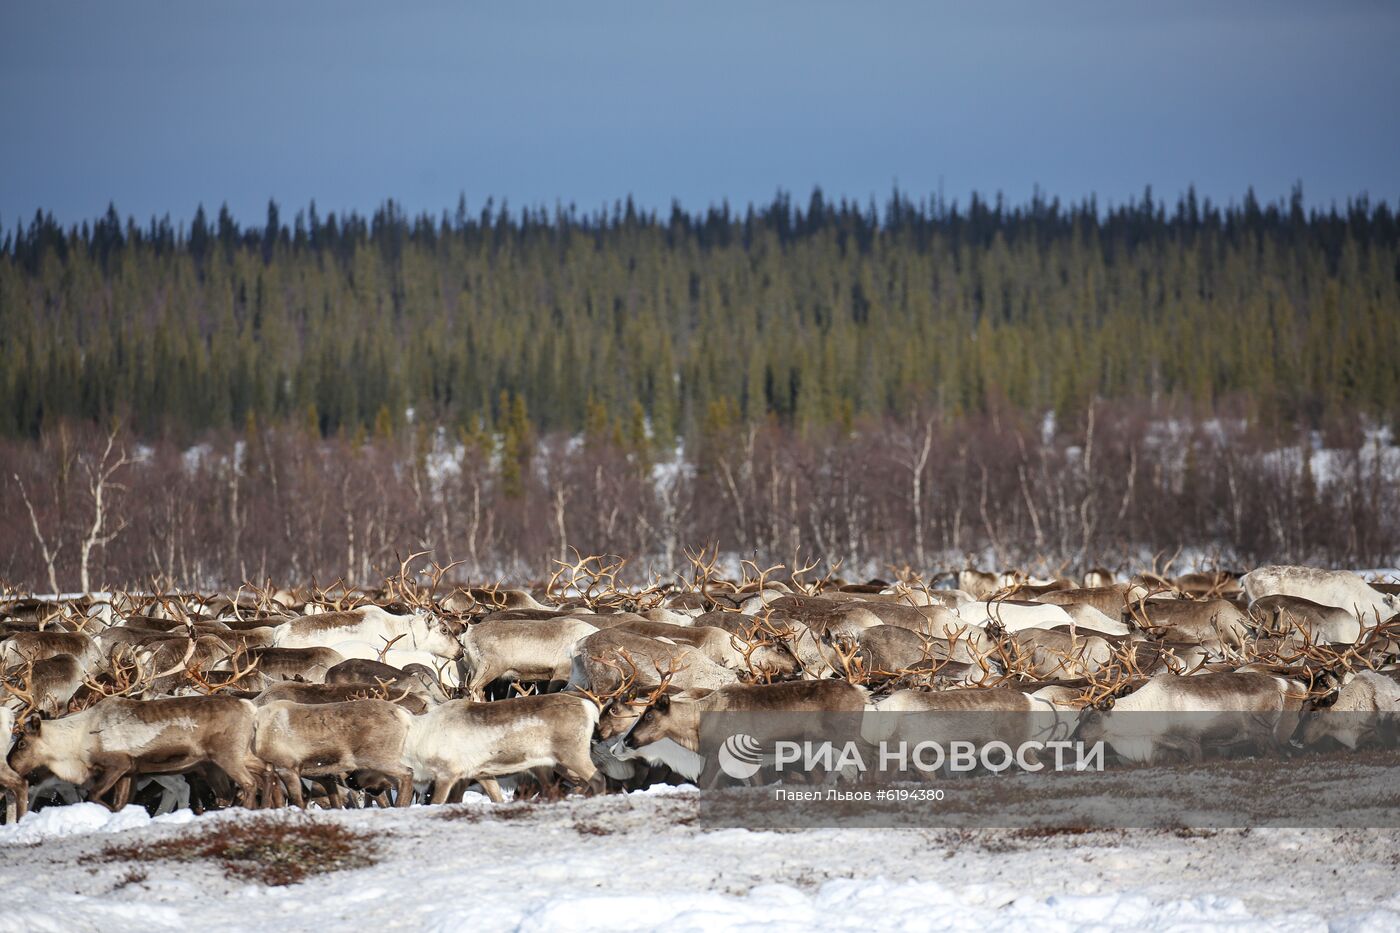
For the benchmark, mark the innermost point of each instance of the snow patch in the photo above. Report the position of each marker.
(80, 818)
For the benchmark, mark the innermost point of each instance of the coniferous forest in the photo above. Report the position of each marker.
(918, 380)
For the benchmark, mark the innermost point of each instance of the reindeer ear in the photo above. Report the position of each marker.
(662, 704)
(33, 722)
(1105, 704)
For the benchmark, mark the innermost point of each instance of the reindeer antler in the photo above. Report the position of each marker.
(1137, 611)
(23, 691)
(388, 645)
(847, 651)
(757, 581)
(125, 671)
(201, 680)
(400, 586)
(1102, 685)
(593, 578)
(625, 678)
(674, 665)
(818, 585)
(703, 571)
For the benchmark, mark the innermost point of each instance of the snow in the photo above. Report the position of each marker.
(80, 818)
(859, 905)
(196, 456)
(644, 862)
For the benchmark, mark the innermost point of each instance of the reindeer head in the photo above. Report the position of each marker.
(656, 722)
(52, 746)
(1093, 723)
(618, 715)
(438, 637)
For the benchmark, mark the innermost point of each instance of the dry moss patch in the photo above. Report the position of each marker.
(268, 850)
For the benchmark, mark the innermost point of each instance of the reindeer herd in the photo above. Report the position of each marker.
(418, 691)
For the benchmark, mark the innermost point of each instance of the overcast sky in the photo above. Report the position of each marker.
(161, 106)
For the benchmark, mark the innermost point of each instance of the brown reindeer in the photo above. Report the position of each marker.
(333, 739)
(119, 739)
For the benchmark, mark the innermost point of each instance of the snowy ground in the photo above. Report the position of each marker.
(644, 861)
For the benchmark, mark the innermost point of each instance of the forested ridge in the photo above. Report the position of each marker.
(815, 314)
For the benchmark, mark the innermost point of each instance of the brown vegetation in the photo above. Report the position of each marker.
(268, 850)
(284, 504)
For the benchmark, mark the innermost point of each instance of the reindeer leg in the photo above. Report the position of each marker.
(330, 783)
(548, 782)
(403, 796)
(291, 780)
(113, 769)
(584, 772)
(121, 791)
(18, 790)
(492, 788)
(246, 773)
(276, 790)
(266, 780)
(443, 785)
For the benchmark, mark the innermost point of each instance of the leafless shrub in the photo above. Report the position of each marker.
(1126, 480)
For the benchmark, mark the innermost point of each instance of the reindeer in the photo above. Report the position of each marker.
(889, 649)
(11, 782)
(914, 618)
(1213, 584)
(319, 694)
(239, 672)
(1014, 615)
(1216, 624)
(1290, 616)
(1367, 710)
(20, 647)
(373, 626)
(332, 739)
(597, 659)
(1328, 587)
(744, 651)
(1084, 618)
(1108, 599)
(15, 787)
(618, 711)
(462, 741)
(119, 738)
(1055, 654)
(678, 717)
(1193, 713)
(53, 682)
(979, 583)
(995, 714)
(1096, 577)
(419, 680)
(538, 650)
(304, 664)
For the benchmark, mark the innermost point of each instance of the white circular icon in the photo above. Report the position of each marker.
(740, 756)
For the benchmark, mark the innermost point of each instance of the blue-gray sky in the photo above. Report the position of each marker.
(161, 105)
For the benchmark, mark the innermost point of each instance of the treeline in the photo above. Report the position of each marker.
(926, 491)
(816, 315)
